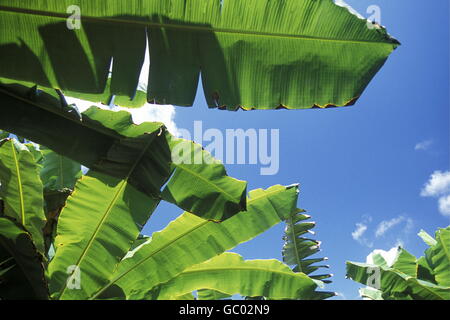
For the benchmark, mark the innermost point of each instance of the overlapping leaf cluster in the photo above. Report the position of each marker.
(99, 225)
(408, 277)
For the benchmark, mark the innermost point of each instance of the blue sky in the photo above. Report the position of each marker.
(362, 166)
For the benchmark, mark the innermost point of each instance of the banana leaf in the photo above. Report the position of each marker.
(25, 278)
(297, 250)
(426, 278)
(230, 274)
(109, 142)
(428, 239)
(438, 257)
(397, 285)
(253, 54)
(21, 189)
(190, 240)
(101, 220)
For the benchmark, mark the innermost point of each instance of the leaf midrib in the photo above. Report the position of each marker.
(287, 273)
(188, 27)
(208, 182)
(293, 239)
(97, 229)
(122, 186)
(143, 260)
(299, 276)
(19, 182)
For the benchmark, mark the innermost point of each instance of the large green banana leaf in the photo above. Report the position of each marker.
(189, 240)
(254, 54)
(96, 228)
(21, 189)
(438, 257)
(24, 279)
(109, 142)
(230, 274)
(426, 278)
(297, 250)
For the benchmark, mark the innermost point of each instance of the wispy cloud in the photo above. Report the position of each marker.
(360, 230)
(385, 225)
(423, 145)
(438, 186)
(367, 237)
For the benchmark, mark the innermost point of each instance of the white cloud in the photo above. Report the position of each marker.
(423, 145)
(438, 184)
(360, 229)
(444, 205)
(385, 225)
(361, 233)
(157, 113)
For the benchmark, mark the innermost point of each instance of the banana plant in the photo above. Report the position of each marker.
(146, 156)
(98, 242)
(299, 251)
(408, 277)
(253, 54)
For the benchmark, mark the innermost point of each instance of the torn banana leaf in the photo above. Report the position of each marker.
(298, 249)
(108, 142)
(253, 54)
